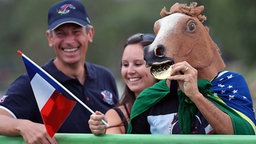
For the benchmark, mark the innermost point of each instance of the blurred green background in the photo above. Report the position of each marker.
(23, 24)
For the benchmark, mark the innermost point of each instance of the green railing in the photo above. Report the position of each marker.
(142, 139)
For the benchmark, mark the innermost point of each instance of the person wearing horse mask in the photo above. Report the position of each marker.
(196, 95)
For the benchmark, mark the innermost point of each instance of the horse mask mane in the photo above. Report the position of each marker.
(181, 36)
(191, 10)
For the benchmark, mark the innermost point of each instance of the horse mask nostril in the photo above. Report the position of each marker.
(159, 51)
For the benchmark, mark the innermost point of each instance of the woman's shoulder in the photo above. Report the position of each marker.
(115, 118)
(116, 113)
(111, 113)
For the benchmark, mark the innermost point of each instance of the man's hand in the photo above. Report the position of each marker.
(34, 133)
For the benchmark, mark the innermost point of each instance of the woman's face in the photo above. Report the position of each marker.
(133, 69)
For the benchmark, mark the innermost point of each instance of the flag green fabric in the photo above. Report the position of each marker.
(187, 109)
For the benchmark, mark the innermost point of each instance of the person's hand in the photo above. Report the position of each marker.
(95, 123)
(34, 133)
(186, 77)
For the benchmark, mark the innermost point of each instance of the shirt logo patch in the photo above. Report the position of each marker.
(107, 97)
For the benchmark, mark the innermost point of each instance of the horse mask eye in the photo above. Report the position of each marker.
(191, 26)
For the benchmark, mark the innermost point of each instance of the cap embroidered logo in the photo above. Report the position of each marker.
(64, 9)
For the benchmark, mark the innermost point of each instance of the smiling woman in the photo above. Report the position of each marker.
(136, 76)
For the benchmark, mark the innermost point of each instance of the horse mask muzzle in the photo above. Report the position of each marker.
(157, 60)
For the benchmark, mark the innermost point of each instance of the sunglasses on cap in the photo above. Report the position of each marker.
(143, 39)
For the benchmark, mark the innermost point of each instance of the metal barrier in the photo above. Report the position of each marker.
(142, 139)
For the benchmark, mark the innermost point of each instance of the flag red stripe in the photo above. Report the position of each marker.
(55, 111)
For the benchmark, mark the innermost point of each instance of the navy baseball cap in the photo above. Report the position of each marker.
(67, 11)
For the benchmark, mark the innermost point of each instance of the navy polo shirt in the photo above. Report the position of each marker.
(99, 92)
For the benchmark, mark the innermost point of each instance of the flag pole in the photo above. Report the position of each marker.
(70, 93)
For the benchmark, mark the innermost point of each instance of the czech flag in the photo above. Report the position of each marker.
(54, 107)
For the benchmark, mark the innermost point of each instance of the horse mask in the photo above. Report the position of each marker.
(181, 36)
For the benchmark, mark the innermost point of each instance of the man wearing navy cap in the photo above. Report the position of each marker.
(69, 34)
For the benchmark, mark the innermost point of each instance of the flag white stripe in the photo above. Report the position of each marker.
(42, 90)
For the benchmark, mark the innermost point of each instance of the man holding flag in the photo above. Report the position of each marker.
(33, 96)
